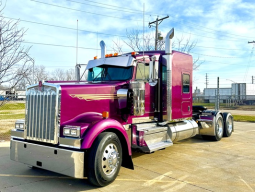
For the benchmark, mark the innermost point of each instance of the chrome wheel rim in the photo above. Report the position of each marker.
(219, 127)
(230, 124)
(110, 159)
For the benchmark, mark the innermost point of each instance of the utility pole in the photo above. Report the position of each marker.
(206, 80)
(252, 79)
(217, 95)
(157, 22)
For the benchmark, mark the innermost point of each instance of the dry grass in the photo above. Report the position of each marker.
(244, 118)
(9, 113)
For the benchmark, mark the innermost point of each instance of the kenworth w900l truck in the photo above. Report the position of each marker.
(139, 101)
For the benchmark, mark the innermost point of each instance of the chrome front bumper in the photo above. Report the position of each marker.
(63, 161)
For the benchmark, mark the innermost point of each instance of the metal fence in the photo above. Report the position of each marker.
(226, 100)
(12, 107)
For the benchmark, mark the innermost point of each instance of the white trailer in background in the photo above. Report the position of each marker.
(209, 94)
(244, 92)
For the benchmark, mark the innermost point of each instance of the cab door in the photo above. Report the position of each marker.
(142, 74)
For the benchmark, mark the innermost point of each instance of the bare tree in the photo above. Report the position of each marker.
(61, 75)
(14, 61)
(70, 74)
(58, 75)
(40, 73)
(135, 42)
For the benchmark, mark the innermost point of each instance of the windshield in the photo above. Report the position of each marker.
(110, 73)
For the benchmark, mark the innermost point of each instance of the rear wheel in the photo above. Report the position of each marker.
(218, 128)
(105, 158)
(228, 124)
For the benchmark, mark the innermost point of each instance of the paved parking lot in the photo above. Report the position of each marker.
(189, 165)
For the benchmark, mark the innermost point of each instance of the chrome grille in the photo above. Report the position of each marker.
(42, 107)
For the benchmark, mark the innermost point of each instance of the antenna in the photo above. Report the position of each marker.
(97, 43)
(143, 29)
(77, 45)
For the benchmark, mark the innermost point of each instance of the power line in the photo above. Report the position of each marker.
(215, 56)
(218, 30)
(112, 6)
(66, 46)
(58, 26)
(217, 48)
(49, 44)
(203, 36)
(107, 34)
(133, 11)
(221, 62)
(247, 69)
(228, 35)
(83, 11)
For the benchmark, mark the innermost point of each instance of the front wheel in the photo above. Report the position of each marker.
(104, 160)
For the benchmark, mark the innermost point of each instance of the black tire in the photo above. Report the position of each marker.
(104, 159)
(219, 127)
(228, 124)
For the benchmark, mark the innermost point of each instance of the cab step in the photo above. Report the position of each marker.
(149, 137)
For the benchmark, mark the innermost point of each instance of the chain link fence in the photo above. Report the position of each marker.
(12, 107)
(227, 101)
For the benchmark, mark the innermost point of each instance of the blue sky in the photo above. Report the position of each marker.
(222, 29)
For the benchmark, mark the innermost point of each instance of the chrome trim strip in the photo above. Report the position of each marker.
(63, 161)
(70, 142)
(204, 120)
(17, 134)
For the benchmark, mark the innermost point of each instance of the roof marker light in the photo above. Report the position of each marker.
(107, 55)
(95, 57)
(115, 54)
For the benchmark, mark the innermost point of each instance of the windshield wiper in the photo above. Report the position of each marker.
(98, 75)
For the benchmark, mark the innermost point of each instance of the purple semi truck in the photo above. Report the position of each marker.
(140, 101)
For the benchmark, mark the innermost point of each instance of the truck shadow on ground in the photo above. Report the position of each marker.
(71, 184)
(196, 139)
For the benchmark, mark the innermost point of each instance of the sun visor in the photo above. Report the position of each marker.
(122, 61)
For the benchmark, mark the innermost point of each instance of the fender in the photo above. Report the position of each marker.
(95, 129)
(114, 126)
(208, 126)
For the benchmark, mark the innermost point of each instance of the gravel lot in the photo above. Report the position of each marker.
(189, 165)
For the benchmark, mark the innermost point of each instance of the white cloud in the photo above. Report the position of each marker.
(199, 20)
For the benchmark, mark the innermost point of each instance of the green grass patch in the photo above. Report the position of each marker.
(13, 116)
(208, 105)
(5, 113)
(244, 118)
(12, 106)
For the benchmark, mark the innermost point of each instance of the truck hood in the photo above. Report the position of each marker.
(83, 98)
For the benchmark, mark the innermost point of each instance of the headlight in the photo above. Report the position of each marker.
(20, 124)
(66, 131)
(71, 131)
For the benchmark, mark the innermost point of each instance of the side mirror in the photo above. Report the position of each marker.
(153, 77)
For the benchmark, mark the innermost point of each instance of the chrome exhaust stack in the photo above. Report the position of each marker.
(168, 57)
(103, 49)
